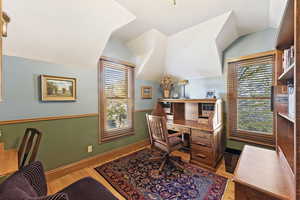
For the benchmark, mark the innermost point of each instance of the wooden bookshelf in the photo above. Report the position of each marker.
(288, 74)
(264, 174)
(287, 117)
(287, 131)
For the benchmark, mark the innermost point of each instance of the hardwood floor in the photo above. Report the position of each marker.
(60, 183)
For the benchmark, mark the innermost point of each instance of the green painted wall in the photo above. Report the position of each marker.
(65, 141)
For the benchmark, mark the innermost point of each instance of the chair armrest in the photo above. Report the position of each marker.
(175, 134)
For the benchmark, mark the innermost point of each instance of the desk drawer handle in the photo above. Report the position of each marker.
(201, 156)
(201, 144)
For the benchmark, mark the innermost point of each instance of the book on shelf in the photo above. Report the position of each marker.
(291, 99)
(288, 58)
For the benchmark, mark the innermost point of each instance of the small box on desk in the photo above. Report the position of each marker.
(170, 117)
(167, 110)
(207, 113)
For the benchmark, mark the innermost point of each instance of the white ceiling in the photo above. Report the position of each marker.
(251, 15)
(75, 32)
(70, 32)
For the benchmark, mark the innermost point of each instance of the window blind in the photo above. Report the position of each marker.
(116, 102)
(249, 99)
(116, 81)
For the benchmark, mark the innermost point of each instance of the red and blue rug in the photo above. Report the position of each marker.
(137, 178)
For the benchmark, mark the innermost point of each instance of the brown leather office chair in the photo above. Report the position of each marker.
(29, 147)
(162, 140)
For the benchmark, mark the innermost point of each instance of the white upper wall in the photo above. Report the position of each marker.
(115, 48)
(276, 12)
(196, 52)
(70, 32)
(150, 49)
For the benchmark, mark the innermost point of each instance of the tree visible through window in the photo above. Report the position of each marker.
(254, 98)
(249, 87)
(117, 99)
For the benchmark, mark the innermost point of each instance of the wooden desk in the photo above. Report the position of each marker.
(8, 162)
(206, 138)
(207, 146)
(260, 176)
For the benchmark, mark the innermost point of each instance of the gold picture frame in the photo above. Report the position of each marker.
(55, 88)
(146, 92)
(5, 20)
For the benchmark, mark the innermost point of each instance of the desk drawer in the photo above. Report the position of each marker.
(201, 147)
(205, 157)
(201, 134)
(201, 137)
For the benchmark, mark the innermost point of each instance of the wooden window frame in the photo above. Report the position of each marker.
(103, 136)
(240, 135)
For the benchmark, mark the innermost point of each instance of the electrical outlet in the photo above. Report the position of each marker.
(90, 148)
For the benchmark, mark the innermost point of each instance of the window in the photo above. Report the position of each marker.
(116, 98)
(250, 82)
(1, 80)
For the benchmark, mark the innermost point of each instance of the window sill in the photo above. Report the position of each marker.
(103, 139)
(264, 144)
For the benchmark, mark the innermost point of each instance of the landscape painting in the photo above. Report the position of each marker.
(55, 88)
(146, 92)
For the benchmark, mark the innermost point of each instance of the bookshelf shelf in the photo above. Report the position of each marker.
(287, 117)
(288, 74)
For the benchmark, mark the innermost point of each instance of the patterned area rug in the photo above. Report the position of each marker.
(137, 178)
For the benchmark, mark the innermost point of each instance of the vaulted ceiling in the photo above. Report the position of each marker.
(251, 15)
(186, 40)
(193, 34)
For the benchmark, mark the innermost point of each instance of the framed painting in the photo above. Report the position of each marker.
(146, 92)
(54, 88)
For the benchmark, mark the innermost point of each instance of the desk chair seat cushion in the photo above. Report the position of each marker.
(175, 140)
(175, 144)
(88, 189)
